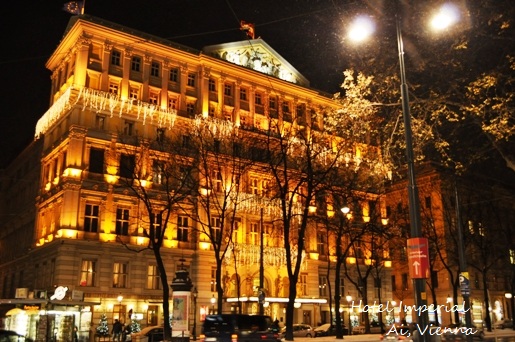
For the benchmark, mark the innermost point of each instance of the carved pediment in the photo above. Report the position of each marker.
(257, 55)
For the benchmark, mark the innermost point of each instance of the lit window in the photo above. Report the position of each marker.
(116, 58)
(303, 284)
(153, 98)
(322, 286)
(253, 236)
(154, 69)
(172, 103)
(134, 93)
(120, 275)
(158, 174)
(153, 278)
(113, 88)
(91, 216)
(87, 273)
(213, 279)
(136, 63)
(122, 221)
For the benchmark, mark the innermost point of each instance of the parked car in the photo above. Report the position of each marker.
(503, 323)
(11, 336)
(248, 328)
(153, 333)
(300, 330)
(329, 330)
(460, 331)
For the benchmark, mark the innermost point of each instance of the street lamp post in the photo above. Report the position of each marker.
(195, 294)
(349, 300)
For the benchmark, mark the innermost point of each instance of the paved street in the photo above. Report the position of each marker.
(504, 335)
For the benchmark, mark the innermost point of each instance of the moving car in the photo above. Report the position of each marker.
(503, 324)
(329, 330)
(153, 333)
(300, 330)
(10, 336)
(238, 327)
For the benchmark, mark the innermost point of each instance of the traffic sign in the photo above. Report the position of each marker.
(418, 258)
(464, 284)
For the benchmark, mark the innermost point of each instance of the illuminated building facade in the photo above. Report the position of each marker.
(115, 93)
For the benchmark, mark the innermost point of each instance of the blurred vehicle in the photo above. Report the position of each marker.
(460, 331)
(11, 336)
(503, 324)
(300, 330)
(235, 327)
(153, 333)
(329, 330)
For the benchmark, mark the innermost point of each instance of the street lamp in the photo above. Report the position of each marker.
(213, 301)
(359, 31)
(195, 294)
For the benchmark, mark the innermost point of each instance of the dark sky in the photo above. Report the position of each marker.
(305, 32)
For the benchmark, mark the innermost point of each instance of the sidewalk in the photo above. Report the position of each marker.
(377, 337)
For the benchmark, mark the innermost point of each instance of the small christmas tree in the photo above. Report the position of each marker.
(102, 328)
(135, 326)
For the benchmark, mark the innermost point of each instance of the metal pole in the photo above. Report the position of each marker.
(462, 261)
(419, 284)
(261, 265)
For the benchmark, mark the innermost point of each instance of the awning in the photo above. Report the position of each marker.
(14, 311)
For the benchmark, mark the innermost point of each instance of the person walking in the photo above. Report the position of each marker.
(117, 330)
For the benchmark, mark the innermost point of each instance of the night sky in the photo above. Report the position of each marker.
(304, 32)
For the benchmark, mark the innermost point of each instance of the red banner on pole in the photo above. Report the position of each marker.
(418, 258)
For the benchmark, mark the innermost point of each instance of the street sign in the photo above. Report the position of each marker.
(464, 284)
(418, 258)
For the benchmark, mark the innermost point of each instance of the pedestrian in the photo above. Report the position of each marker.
(75, 334)
(126, 332)
(117, 330)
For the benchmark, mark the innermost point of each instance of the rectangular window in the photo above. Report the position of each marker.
(428, 202)
(212, 85)
(136, 63)
(134, 93)
(253, 236)
(257, 99)
(213, 279)
(254, 186)
(153, 278)
(122, 221)
(228, 90)
(216, 229)
(120, 271)
(303, 284)
(342, 286)
(158, 172)
(160, 134)
(405, 281)
(116, 58)
(127, 166)
(322, 286)
(183, 228)
(128, 128)
(153, 98)
(113, 88)
(243, 94)
(96, 160)
(87, 273)
(154, 69)
(272, 103)
(321, 243)
(174, 75)
(191, 79)
(286, 107)
(172, 103)
(394, 284)
(190, 109)
(100, 122)
(91, 218)
(216, 180)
